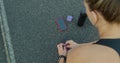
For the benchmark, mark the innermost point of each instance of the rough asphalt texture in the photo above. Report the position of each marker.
(2, 50)
(34, 32)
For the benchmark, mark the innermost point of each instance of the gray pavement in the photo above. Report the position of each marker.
(3, 58)
(33, 30)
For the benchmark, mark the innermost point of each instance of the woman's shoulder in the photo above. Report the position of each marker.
(96, 48)
(94, 52)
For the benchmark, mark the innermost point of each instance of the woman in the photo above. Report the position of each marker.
(105, 16)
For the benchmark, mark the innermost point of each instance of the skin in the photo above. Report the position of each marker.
(89, 52)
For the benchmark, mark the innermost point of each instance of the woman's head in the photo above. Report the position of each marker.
(107, 10)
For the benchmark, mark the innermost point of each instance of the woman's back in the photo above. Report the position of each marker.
(93, 54)
(113, 43)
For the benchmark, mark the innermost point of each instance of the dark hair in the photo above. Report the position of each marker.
(110, 9)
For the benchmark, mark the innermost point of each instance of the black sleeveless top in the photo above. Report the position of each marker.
(113, 43)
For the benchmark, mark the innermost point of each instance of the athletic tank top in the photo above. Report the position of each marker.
(113, 43)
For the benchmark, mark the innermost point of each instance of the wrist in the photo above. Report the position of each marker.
(62, 58)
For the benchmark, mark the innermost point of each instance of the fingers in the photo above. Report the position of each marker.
(69, 41)
(68, 46)
(61, 49)
(60, 45)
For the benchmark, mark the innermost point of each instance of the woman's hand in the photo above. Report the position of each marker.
(62, 49)
(71, 44)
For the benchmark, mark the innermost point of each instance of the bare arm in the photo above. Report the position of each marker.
(62, 52)
(62, 60)
(73, 44)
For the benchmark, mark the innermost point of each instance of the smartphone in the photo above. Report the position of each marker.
(61, 25)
